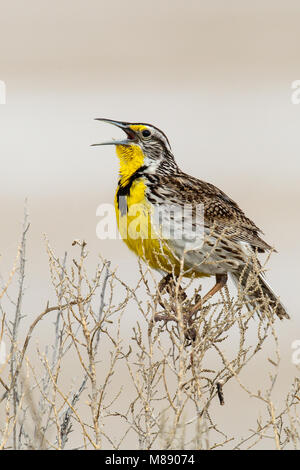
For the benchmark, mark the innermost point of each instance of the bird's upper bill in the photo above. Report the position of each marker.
(130, 129)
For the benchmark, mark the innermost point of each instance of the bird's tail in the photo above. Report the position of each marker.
(258, 292)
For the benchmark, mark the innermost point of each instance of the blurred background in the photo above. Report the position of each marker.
(215, 76)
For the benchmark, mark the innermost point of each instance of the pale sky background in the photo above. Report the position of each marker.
(215, 76)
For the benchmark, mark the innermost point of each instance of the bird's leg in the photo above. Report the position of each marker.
(164, 283)
(221, 280)
(191, 333)
(168, 283)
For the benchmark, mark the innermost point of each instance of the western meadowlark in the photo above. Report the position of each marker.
(151, 180)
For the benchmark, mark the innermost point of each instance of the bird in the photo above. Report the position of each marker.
(154, 198)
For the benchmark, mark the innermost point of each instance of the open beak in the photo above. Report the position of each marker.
(125, 126)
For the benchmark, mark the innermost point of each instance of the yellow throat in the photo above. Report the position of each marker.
(131, 158)
(134, 222)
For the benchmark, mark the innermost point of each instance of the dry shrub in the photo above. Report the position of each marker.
(131, 367)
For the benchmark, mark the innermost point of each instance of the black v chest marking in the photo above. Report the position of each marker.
(124, 191)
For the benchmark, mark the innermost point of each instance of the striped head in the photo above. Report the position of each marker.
(144, 146)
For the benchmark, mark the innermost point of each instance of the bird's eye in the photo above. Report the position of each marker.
(146, 133)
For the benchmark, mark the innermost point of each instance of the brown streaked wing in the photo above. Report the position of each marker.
(220, 211)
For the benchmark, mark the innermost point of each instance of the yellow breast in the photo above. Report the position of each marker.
(137, 231)
(135, 215)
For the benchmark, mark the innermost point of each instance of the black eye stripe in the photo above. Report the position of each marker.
(146, 133)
